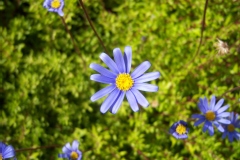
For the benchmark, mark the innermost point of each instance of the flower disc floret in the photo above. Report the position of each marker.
(181, 129)
(210, 115)
(230, 128)
(74, 155)
(121, 82)
(213, 114)
(124, 82)
(55, 4)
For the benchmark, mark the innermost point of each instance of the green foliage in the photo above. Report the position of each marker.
(46, 85)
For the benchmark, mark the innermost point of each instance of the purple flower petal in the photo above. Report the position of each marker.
(212, 103)
(67, 148)
(103, 71)
(62, 155)
(118, 102)
(224, 121)
(109, 62)
(147, 77)
(103, 92)
(146, 87)
(102, 79)
(140, 98)
(128, 58)
(224, 114)
(143, 67)
(118, 57)
(219, 126)
(201, 120)
(8, 152)
(224, 108)
(218, 105)
(75, 145)
(109, 100)
(132, 101)
(197, 116)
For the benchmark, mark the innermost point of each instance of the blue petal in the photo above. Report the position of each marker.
(60, 13)
(219, 126)
(132, 101)
(75, 145)
(140, 98)
(183, 136)
(224, 108)
(8, 152)
(205, 104)
(197, 116)
(212, 103)
(224, 114)
(62, 156)
(109, 100)
(230, 137)
(201, 106)
(118, 103)
(218, 105)
(102, 79)
(67, 148)
(128, 58)
(103, 71)
(224, 135)
(109, 62)
(201, 120)
(147, 77)
(146, 87)
(118, 57)
(143, 67)
(101, 93)
(224, 121)
(210, 129)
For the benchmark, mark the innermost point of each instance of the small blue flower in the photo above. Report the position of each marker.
(72, 153)
(54, 6)
(230, 129)
(179, 130)
(122, 82)
(6, 151)
(213, 114)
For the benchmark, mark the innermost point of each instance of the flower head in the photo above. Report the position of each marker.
(179, 130)
(230, 129)
(121, 82)
(213, 114)
(54, 6)
(222, 47)
(72, 153)
(6, 151)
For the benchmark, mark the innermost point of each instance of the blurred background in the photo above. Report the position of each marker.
(46, 86)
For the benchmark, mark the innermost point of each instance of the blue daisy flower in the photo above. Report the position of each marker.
(122, 82)
(54, 6)
(72, 153)
(6, 151)
(213, 114)
(179, 130)
(230, 129)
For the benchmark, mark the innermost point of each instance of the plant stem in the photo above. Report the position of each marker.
(71, 37)
(90, 22)
(42, 147)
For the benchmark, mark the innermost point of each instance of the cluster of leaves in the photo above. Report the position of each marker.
(46, 88)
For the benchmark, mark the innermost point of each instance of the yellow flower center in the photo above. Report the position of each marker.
(124, 82)
(230, 128)
(181, 129)
(74, 155)
(55, 4)
(1, 157)
(210, 115)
